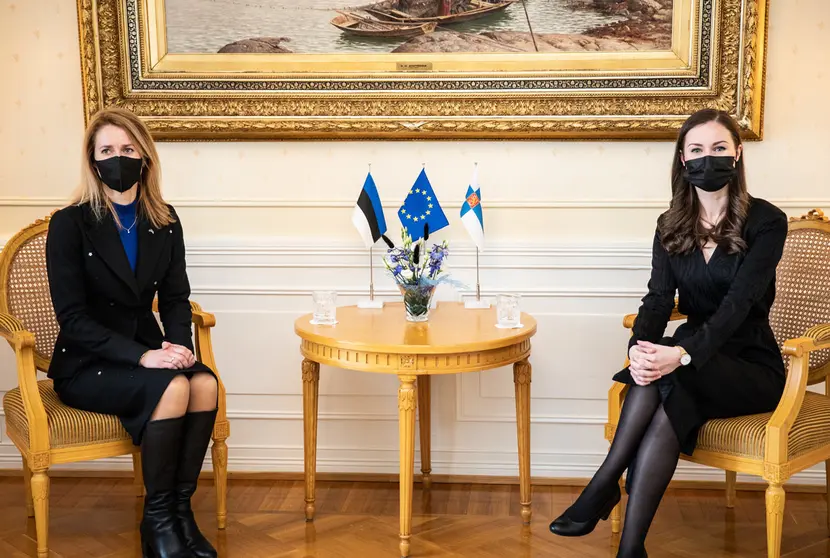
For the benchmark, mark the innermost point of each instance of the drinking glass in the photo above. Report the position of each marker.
(325, 307)
(507, 311)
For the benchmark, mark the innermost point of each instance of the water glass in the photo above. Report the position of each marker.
(507, 311)
(325, 308)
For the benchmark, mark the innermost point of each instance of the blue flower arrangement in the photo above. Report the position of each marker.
(417, 272)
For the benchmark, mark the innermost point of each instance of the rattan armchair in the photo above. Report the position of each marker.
(44, 430)
(796, 435)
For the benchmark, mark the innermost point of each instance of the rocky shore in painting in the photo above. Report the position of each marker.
(647, 26)
(650, 21)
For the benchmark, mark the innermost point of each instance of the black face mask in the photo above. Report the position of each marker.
(120, 173)
(710, 173)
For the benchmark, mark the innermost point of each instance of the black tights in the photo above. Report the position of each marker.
(644, 432)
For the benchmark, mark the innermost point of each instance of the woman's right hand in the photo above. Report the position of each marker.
(162, 358)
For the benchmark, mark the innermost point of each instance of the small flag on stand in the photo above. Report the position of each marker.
(471, 213)
(367, 216)
(421, 208)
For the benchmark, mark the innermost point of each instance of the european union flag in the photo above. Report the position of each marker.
(421, 208)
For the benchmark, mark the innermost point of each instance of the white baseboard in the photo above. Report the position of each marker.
(544, 465)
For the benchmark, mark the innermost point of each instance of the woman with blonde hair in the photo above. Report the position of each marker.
(109, 254)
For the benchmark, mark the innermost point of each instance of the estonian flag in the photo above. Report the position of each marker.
(421, 208)
(367, 216)
(471, 214)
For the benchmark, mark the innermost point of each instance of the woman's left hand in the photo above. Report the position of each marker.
(661, 359)
(186, 357)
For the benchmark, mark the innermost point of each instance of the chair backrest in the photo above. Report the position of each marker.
(802, 286)
(24, 288)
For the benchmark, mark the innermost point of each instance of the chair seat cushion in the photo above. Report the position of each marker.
(67, 426)
(745, 436)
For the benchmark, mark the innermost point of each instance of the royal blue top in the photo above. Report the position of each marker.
(128, 232)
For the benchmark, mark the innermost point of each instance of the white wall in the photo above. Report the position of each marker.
(266, 223)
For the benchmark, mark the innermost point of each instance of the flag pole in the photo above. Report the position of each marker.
(478, 302)
(478, 284)
(371, 277)
(371, 303)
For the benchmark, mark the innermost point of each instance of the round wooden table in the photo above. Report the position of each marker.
(454, 340)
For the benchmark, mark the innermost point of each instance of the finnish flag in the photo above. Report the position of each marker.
(367, 216)
(471, 214)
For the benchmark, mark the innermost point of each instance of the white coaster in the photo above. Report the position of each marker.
(315, 322)
(370, 304)
(519, 326)
(473, 303)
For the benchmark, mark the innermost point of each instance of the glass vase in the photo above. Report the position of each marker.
(417, 300)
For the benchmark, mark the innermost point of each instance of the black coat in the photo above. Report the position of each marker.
(105, 310)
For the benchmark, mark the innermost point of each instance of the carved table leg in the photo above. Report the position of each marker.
(311, 384)
(406, 421)
(424, 416)
(521, 379)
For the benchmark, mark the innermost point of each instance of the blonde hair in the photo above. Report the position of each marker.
(151, 204)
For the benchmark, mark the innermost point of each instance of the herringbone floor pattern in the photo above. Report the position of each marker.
(98, 518)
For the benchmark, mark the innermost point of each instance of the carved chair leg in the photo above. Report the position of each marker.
(219, 456)
(40, 496)
(27, 482)
(775, 519)
(827, 489)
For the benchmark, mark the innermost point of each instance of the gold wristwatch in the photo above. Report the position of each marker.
(685, 358)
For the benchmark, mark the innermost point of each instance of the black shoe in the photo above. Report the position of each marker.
(160, 536)
(195, 438)
(566, 527)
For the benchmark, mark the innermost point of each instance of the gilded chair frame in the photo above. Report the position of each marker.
(37, 453)
(775, 468)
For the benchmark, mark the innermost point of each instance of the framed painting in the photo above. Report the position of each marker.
(423, 69)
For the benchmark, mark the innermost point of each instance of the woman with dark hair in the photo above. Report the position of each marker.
(717, 247)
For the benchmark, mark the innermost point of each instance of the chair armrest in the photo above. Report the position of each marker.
(23, 343)
(629, 319)
(204, 352)
(200, 317)
(778, 428)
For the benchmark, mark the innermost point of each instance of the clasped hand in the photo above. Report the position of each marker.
(169, 356)
(649, 362)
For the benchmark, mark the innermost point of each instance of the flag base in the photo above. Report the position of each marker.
(473, 303)
(369, 303)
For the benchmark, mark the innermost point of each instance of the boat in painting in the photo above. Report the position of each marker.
(480, 8)
(355, 24)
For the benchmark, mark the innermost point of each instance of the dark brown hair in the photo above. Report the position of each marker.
(680, 228)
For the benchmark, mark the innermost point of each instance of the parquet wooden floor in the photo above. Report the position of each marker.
(98, 518)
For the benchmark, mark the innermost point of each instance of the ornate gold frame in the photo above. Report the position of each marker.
(717, 59)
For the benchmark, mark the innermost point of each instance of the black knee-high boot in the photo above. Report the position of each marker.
(160, 535)
(196, 436)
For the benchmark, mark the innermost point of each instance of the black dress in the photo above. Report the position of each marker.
(105, 313)
(737, 368)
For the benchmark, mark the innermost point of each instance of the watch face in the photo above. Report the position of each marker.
(685, 359)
